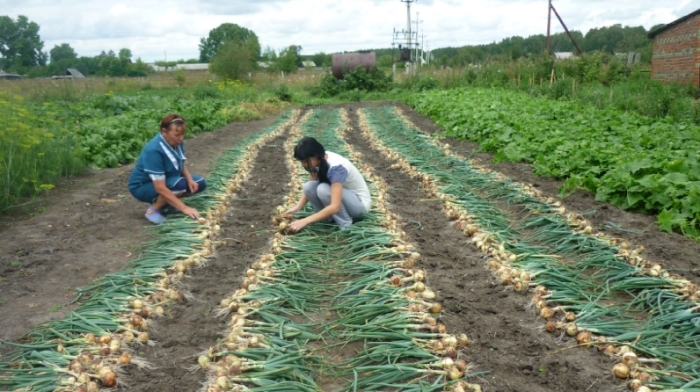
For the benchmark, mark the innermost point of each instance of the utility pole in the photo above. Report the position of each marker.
(408, 20)
(549, 25)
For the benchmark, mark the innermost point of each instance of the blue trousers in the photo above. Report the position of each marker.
(178, 185)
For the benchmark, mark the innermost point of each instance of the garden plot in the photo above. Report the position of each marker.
(608, 294)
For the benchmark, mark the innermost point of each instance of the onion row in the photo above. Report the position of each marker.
(504, 247)
(86, 350)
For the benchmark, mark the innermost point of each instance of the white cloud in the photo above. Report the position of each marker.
(150, 28)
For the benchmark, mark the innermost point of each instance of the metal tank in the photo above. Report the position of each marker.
(351, 61)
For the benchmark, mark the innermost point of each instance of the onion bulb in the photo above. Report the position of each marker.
(583, 337)
(461, 364)
(90, 337)
(643, 389)
(629, 359)
(621, 370)
(435, 308)
(450, 341)
(547, 313)
(143, 337)
(428, 294)
(105, 339)
(92, 387)
(463, 340)
(107, 376)
(571, 329)
(125, 358)
(570, 316)
(634, 384)
(454, 373)
(550, 327)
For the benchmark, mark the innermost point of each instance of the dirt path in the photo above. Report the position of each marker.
(91, 226)
(192, 328)
(506, 339)
(675, 252)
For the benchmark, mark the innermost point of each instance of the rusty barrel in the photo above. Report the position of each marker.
(351, 61)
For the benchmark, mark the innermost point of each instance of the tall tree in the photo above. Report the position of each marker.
(289, 59)
(209, 46)
(62, 52)
(20, 44)
(232, 61)
(125, 54)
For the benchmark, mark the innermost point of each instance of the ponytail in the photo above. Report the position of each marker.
(323, 171)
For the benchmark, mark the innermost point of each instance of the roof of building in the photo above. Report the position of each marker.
(564, 55)
(74, 73)
(5, 75)
(676, 22)
(308, 63)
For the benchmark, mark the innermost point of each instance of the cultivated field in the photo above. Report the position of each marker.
(465, 276)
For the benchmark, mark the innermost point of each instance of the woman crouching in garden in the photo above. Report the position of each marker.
(161, 177)
(336, 189)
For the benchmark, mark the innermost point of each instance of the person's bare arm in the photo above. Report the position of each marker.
(333, 208)
(173, 200)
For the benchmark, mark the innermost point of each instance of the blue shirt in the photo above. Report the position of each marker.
(158, 161)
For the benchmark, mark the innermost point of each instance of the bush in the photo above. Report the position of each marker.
(232, 61)
(357, 80)
(283, 93)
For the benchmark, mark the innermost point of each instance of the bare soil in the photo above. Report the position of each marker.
(192, 328)
(506, 340)
(90, 226)
(88, 230)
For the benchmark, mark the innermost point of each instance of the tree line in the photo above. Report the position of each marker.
(233, 50)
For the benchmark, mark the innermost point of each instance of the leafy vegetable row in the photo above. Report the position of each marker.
(629, 160)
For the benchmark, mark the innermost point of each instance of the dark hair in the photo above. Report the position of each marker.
(170, 119)
(309, 147)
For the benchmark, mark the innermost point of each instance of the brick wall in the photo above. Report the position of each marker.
(676, 53)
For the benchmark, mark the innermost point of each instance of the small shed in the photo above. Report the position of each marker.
(308, 64)
(9, 76)
(74, 73)
(563, 55)
(676, 56)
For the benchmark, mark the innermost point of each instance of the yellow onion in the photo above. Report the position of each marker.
(92, 387)
(105, 339)
(583, 337)
(463, 340)
(634, 385)
(571, 329)
(629, 358)
(547, 313)
(621, 370)
(435, 308)
(107, 376)
(551, 326)
(643, 389)
(143, 337)
(125, 358)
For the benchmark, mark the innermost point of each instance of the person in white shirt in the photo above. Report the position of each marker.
(336, 189)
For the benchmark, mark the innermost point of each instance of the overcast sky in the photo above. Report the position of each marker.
(151, 28)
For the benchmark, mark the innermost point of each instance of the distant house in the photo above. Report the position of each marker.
(74, 73)
(676, 56)
(184, 67)
(563, 55)
(308, 63)
(9, 76)
(264, 64)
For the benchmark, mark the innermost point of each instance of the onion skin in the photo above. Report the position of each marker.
(107, 376)
(621, 371)
(547, 313)
(551, 327)
(634, 385)
(583, 337)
